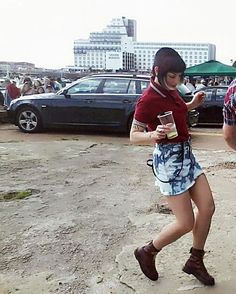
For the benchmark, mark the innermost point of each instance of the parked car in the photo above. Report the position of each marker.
(102, 101)
(187, 96)
(2, 93)
(185, 93)
(210, 112)
(2, 90)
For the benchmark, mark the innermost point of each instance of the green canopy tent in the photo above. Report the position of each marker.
(211, 68)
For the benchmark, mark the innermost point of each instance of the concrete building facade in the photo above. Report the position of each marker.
(116, 48)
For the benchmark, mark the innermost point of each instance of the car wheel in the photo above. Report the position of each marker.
(28, 120)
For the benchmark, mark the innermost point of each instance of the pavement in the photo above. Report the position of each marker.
(95, 202)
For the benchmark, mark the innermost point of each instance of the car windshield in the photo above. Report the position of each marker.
(66, 87)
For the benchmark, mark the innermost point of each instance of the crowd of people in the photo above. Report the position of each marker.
(195, 84)
(28, 86)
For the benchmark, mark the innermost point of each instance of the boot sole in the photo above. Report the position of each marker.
(188, 271)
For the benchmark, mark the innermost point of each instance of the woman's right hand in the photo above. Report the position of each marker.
(160, 132)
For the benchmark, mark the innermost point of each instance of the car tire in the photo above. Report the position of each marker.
(29, 120)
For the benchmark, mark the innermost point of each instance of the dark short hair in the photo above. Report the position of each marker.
(27, 80)
(167, 60)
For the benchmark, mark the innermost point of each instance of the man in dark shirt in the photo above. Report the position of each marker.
(12, 92)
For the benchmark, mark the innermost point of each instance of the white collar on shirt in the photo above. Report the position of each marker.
(158, 91)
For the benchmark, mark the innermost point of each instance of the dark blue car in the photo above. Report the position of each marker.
(103, 101)
(210, 111)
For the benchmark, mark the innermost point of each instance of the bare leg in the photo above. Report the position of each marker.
(201, 195)
(181, 206)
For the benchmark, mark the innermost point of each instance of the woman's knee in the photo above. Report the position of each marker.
(211, 209)
(208, 210)
(186, 227)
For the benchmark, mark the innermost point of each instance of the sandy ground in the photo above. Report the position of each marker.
(94, 203)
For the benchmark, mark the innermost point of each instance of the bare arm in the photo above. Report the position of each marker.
(196, 101)
(229, 133)
(139, 135)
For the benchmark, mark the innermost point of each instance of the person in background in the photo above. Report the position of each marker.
(48, 85)
(55, 84)
(27, 80)
(61, 83)
(210, 82)
(12, 92)
(178, 174)
(191, 84)
(49, 89)
(27, 89)
(200, 84)
(229, 115)
(36, 85)
(216, 81)
(41, 90)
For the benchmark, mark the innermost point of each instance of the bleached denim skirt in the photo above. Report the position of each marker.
(175, 167)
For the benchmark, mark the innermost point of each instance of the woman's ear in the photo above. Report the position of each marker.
(156, 70)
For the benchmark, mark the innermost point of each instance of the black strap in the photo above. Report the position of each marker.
(150, 164)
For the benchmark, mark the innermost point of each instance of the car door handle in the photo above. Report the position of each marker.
(89, 101)
(126, 101)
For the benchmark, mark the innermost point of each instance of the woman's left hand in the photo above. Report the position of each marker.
(198, 98)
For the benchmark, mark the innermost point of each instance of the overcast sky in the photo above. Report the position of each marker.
(43, 31)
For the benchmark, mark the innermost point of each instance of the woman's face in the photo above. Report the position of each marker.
(27, 86)
(172, 80)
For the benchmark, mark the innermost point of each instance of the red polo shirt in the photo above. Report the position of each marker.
(156, 100)
(13, 91)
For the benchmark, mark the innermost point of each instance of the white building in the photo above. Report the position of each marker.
(110, 49)
(192, 53)
(116, 48)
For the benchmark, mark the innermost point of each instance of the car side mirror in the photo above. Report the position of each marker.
(64, 92)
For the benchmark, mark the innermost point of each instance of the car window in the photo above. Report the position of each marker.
(85, 86)
(132, 87)
(116, 86)
(208, 94)
(144, 85)
(220, 94)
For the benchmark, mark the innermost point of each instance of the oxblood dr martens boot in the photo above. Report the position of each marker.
(196, 267)
(146, 256)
